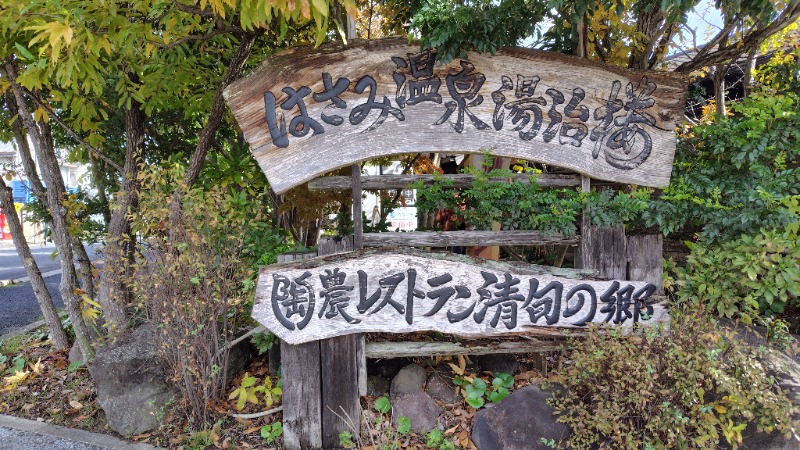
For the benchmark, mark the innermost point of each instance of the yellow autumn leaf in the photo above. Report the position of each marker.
(40, 115)
(37, 368)
(12, 381)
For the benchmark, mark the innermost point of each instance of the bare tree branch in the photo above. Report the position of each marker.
(707, 57)
(75, 135)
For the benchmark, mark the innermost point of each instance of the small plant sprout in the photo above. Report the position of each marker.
(476, 391)
(246, 391)
(271, 432)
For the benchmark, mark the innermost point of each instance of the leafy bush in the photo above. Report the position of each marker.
(689, 386)
(747, 276)
(526, 206)
(194, 276)
(730, 176)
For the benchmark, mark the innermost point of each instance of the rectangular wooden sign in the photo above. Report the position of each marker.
(307, 111)
(406, 291)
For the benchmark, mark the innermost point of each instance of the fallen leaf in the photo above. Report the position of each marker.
(451, 431)
(252, 430)
(75, 404)
(72, 411)
(27, 407)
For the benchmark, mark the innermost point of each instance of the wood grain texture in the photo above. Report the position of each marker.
(603, 250)
(340, 396)
(402, 291)
(466, 238)
(411, 349)
(339, 359)
(645, 259)
(302, 384)
(329, 245)
(463, 120)
(302, 406)
(377, 182)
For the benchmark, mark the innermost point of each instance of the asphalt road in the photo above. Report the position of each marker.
(18, 306)
(11, 266)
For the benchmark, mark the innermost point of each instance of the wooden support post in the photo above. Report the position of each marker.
(302, 383)
(645, 259)
(302, 404)
(339, 356)
(601, 249)
(341, 408)
(358, 227)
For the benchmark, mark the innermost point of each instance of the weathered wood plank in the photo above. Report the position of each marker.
(340, 398)
(410, 349)
(306, 111)
(603, 250)
(302, 404)
(377, 182)
(645, 259)
(293, 256)
(466, 238)
(402, 291)
(329, 245)
(339, 359)
(358, 226)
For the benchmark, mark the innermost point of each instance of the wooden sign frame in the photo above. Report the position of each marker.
(307, 111)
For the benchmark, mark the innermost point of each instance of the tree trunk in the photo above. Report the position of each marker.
(56, 193)
(100, 185)
(24, 149)
(85, 265)
(60, 339)
(719, 88)
(114, 294)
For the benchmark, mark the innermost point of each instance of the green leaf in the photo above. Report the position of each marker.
(475, 402)
(23, 51)
(382, 405)
(403, 425)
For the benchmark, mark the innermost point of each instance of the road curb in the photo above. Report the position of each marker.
(26, 279)
(70, 434)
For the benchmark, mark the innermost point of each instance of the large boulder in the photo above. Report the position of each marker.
(519, 422)
(131, 383)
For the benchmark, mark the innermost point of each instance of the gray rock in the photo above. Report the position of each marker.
(441, 388)
(420, 409)
(131, 383)
(756, 440)
(499, 362)
(75, 353)
(377, 385)
(410, 380)
(518, 422)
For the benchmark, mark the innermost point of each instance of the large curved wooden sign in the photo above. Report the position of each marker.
(307, 111)
(405, 291)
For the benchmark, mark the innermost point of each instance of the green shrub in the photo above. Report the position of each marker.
(526, 206)
(692, 385)
(745, 277)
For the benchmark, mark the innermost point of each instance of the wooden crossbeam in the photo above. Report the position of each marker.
(467, 238)
(377, 182)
